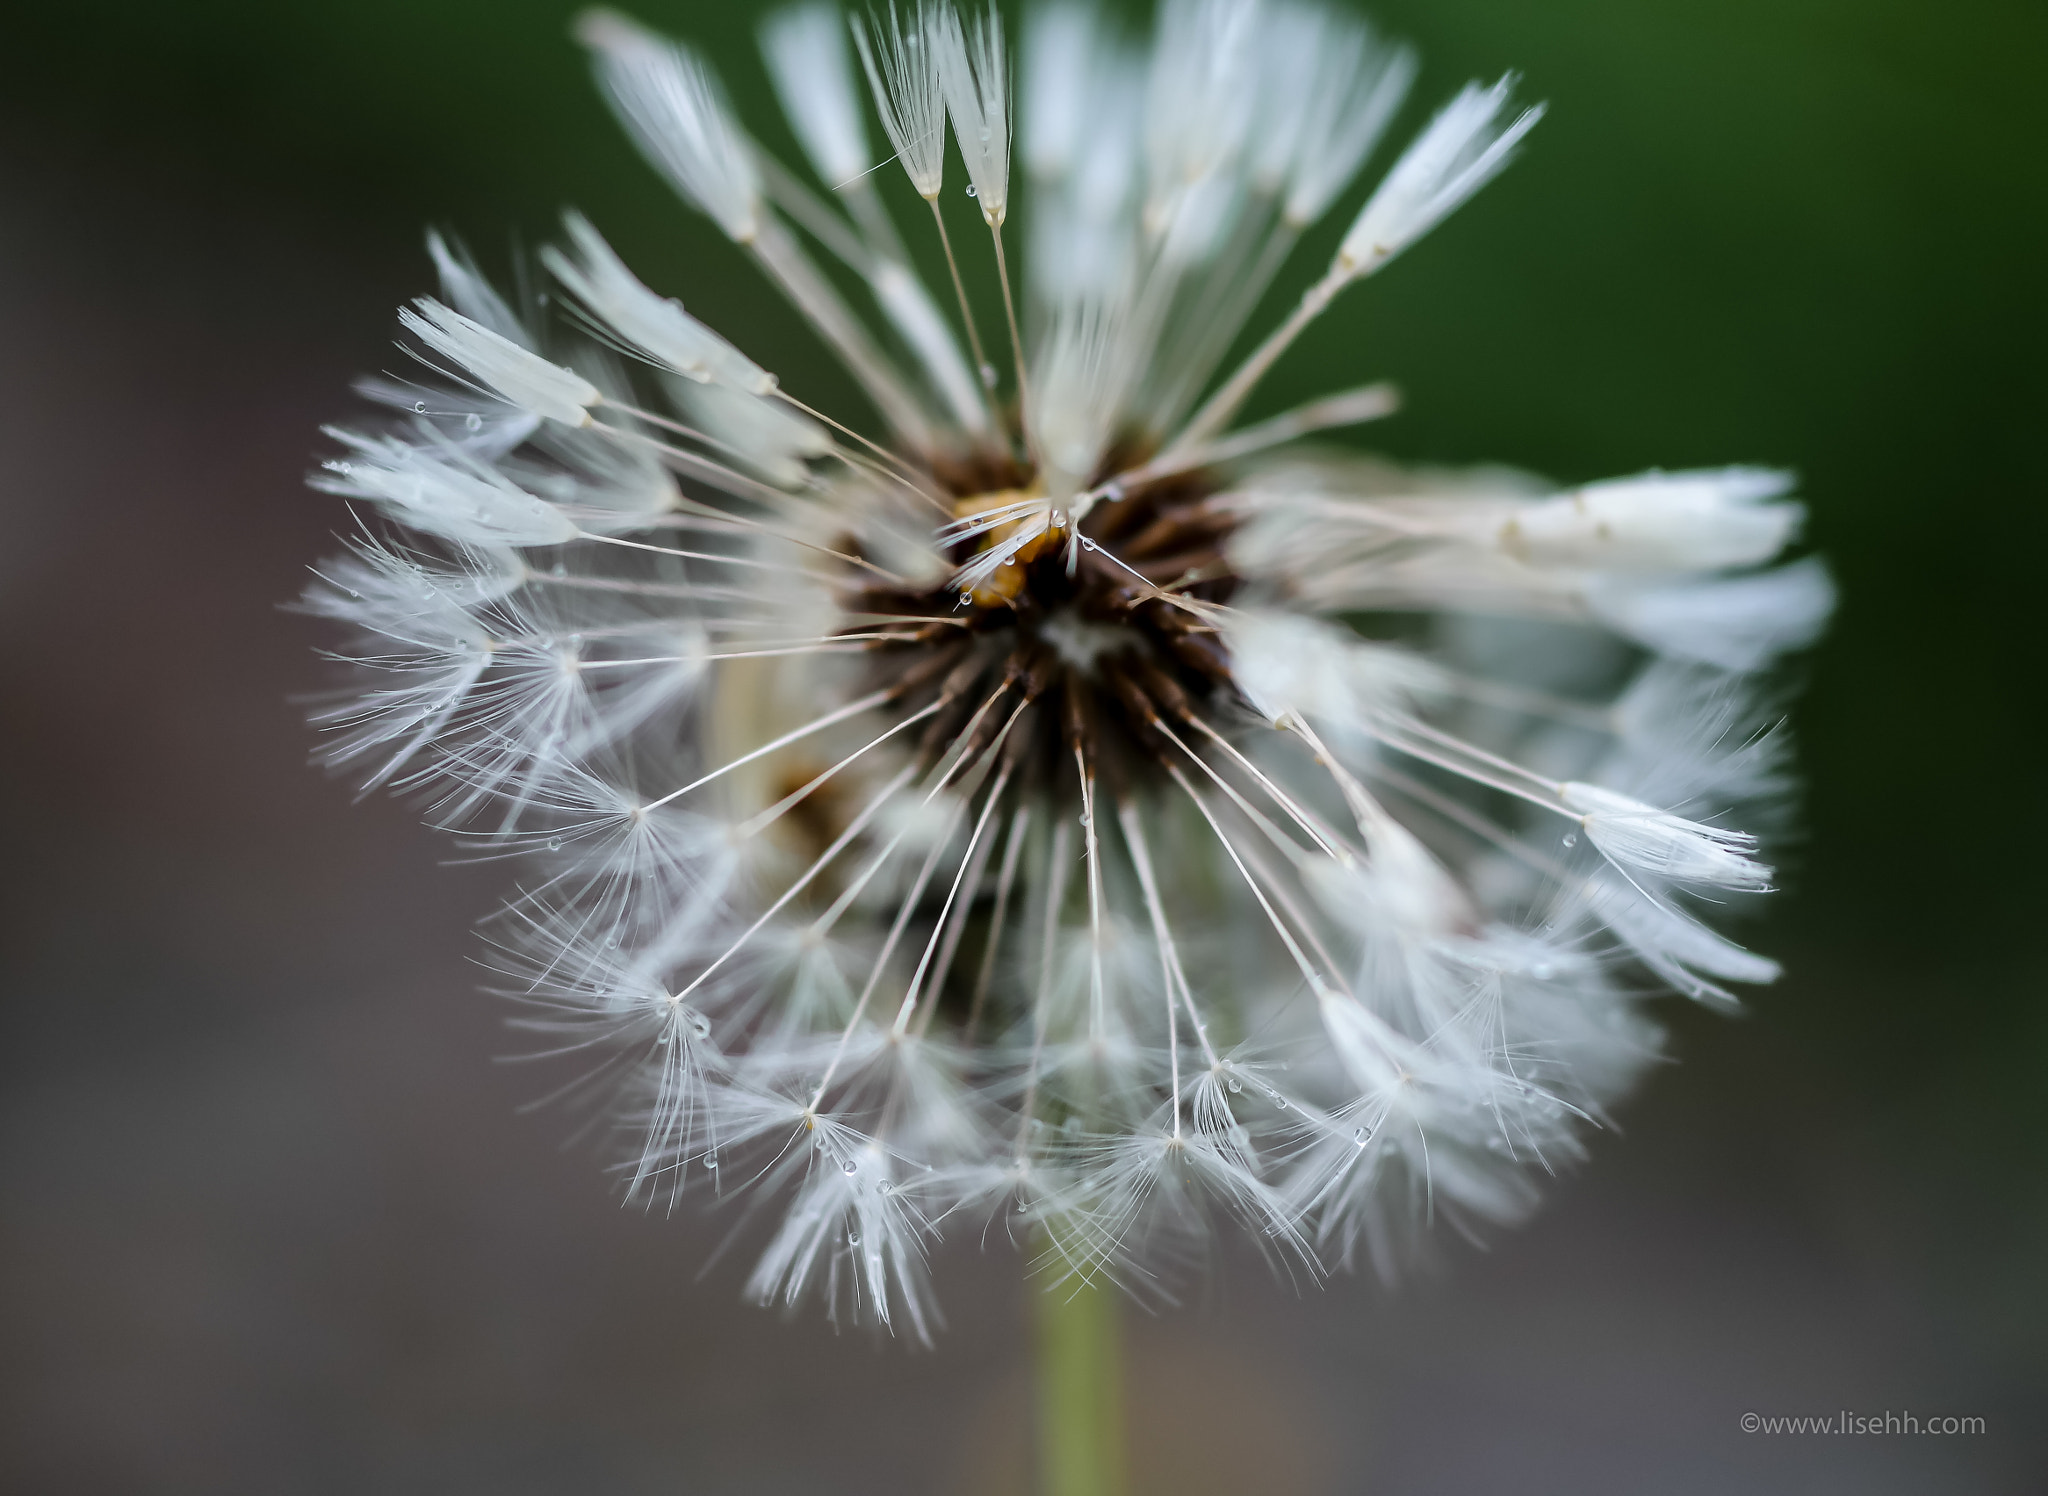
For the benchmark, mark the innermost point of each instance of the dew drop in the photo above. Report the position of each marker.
(1236, 1085)
(885, 1188)
(853, 1238)
(971, 191)
(611, 942)
(419, 407)
(472, 422)
(850, 1167)
(1571, 838)
(1362, 1136)
(1279, 1102)
(710, 1160)
(554, 844)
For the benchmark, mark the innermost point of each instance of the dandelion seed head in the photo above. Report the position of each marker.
(1060, 803)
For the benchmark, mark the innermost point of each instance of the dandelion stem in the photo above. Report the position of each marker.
(1080, 1391)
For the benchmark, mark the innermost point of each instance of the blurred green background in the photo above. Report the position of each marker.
(1806, 233)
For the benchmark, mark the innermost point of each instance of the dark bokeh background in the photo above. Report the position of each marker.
(270, 1220)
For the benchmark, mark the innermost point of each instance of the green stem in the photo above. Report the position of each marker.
(1080, 1392)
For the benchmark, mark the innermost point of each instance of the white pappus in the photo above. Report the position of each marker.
(1056, 804)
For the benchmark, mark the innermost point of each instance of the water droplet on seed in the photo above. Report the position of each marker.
(1571, 838)
(971, 192)
(419, 407)
(853, 1238)
(885, 1188)
(554, 844)
(472, 422)
(1236, 1085)
(850, 1167)
(1362, 1136)
(710, 1160)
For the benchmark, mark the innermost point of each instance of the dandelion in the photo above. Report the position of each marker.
(1057, 808)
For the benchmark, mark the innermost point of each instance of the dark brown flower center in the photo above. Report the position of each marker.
(1092, 631)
